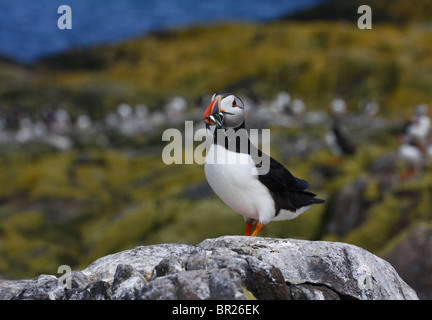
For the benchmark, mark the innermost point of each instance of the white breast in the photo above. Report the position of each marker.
(420, 130)
(233, 177)
(410, 155)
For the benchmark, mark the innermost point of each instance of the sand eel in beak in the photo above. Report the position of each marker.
(233, 169)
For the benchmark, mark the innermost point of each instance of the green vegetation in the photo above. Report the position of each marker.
(314, 60)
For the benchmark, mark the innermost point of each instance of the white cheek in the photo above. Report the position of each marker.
(227, 107)
(235, 119)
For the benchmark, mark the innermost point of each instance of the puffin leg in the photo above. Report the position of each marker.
(258, 228)
(249, 223)
(248, 229)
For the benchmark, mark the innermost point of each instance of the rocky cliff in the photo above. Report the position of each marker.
(229, 267)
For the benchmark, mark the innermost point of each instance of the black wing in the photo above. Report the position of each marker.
(288, 191)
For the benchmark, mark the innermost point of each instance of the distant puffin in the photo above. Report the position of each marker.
(233, 172)
(419, 129)
(338, 143)
(414, 150)
(412, 157)
(336, 140)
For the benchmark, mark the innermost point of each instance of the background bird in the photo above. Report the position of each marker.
(234, 168)
(415, 150)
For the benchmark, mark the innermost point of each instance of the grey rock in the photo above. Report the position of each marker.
(44, 287)
(312, 292)
(266, 281)
(211, 284)
(9, 289)
(348, 270)
(99, 290)
(225, 285)
(164, 288)
(94, 291)
(77, 294)
(78, 289)
(143, 259)
(79, 279)
(230, 267)
(127, 284)
(262, 279)
(167, 266)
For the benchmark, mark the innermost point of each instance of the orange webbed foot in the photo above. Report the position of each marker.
(258, 228)
(248, 229)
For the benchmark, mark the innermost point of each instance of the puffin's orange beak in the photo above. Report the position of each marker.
(211, 109)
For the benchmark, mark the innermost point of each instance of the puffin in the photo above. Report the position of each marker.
(414, 150)
(412, 158)
(232, 169)
(338, 142)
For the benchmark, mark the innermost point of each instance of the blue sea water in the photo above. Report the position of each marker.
(29, 31)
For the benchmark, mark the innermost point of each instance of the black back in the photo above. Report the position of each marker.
(288, 192)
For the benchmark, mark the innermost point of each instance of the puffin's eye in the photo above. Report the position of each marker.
(234, 103)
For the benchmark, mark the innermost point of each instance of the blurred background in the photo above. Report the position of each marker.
(82, 113)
